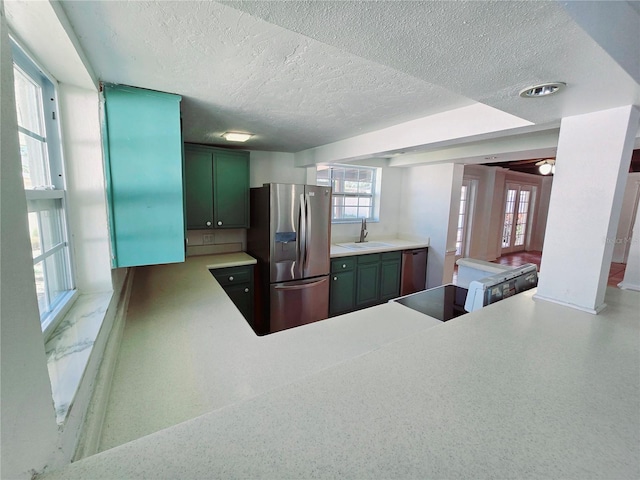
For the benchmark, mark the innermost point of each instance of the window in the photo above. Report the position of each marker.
(42, 173)
(355, 191)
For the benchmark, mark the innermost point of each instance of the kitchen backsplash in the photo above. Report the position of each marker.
(207, 242)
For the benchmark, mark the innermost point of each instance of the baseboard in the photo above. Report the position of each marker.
(89, 443)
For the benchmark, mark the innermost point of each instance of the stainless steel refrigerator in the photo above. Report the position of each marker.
(290, 237)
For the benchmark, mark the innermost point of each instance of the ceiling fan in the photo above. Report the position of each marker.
(546, 166)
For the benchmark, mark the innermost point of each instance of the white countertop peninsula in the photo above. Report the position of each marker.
(519, 389)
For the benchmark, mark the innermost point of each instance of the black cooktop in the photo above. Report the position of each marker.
(444, 302)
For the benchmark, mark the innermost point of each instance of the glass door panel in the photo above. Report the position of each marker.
(517, 217)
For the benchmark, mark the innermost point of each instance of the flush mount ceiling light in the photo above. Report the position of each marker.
(236, 136)
(542, 90)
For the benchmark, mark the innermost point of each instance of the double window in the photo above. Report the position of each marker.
(43, 177)
(355, 191)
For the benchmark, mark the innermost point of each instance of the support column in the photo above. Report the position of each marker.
(594, 152)
(430, 203)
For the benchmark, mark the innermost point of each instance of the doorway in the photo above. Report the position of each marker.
(518, 213)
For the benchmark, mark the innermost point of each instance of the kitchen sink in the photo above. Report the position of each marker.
(364, 245)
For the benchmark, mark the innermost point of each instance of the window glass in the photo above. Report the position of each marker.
(35, 168)
(40, 153)
(354, 194)
(28, 103)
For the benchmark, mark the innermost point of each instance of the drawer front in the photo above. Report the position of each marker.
(233, 275)
(343, 264)
(369, 258)
(391, 256)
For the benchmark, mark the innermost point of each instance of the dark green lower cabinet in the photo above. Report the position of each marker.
(237, 282)
(364, 280)
(368, 280)
(342, 292)
(390, 268)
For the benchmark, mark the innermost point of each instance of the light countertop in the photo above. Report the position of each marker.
(519, 389)
(226, 260)
(392, 244)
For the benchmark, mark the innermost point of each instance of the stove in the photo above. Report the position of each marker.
(450, 301)
(444, 302)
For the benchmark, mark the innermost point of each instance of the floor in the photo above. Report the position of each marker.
(616, 273)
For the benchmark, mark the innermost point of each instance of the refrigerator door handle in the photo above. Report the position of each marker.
(308, 215)
(300, 286)
(302, 241)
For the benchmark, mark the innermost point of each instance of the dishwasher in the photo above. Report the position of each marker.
(414, 271)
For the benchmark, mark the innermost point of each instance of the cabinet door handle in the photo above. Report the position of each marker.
(335, 278)
(208, 224)
(231, 279)
(219, 222)
(246, 290)
(344, 265)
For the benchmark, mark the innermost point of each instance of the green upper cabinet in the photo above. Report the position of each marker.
(143, 168)
(217, 187)
(198, 181)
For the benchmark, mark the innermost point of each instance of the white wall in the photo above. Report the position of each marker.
(430, 198)
(274, 167)
(29, 430)
(86, 187)
(279, 167)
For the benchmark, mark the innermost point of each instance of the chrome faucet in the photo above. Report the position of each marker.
(363, 231)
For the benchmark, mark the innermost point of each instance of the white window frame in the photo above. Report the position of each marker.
(52, 195)
(373, 197)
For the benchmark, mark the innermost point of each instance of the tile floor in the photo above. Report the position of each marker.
(616, 273)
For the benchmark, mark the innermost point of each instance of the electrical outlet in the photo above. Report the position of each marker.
(207, 239)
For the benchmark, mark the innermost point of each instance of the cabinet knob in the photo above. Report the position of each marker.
(344, 265)
(219, 222)
(246, 290)
(208, 224)
(231, 279)
(335, 278)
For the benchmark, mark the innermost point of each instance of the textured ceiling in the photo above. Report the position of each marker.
(302, 74)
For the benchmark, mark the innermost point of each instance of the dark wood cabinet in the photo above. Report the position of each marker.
(216, 187)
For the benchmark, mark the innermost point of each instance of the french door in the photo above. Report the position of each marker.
(465, 214)
(517, 217)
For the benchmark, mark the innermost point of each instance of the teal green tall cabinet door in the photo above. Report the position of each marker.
(143, 156)
(231, 187)
(198, 177)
